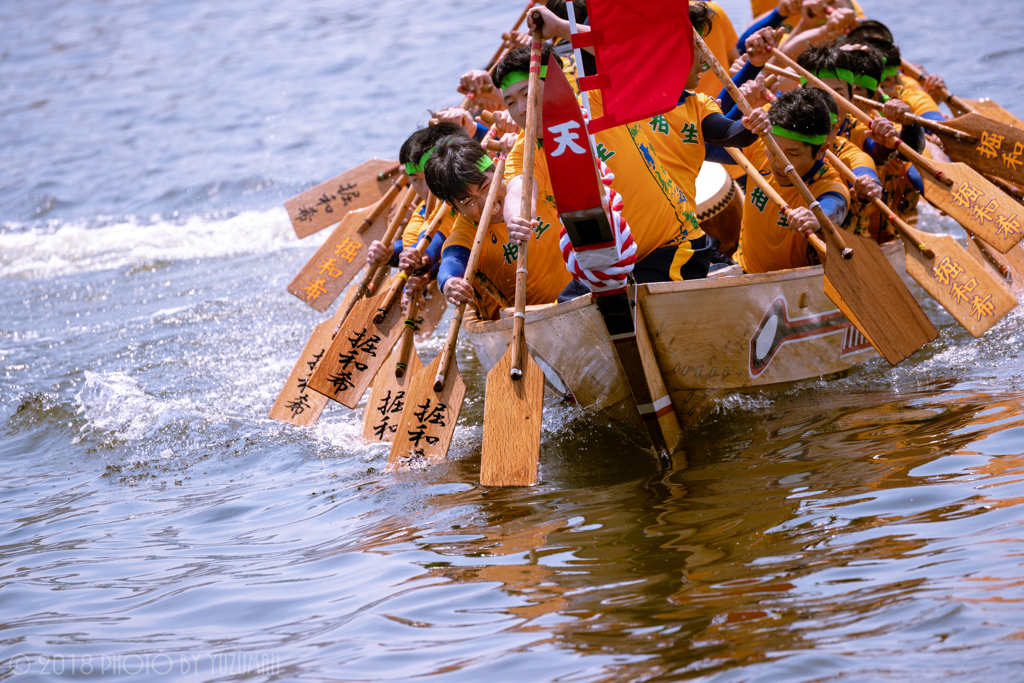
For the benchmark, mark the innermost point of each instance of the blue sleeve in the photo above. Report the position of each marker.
(481, 131)
(433, 252)
(870, 172)
(914, 176)
(933, 116)
(453, 264)
(748, 73)
(718, 155)
(772, 19)
(834, 205)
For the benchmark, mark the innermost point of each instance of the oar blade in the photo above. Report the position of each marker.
(995, 111)
(297, 404)
(998, 149)
(329, 202)
(978, 205)
(432, 309)
(357, 352)
(969, 290)
(428, 419)
(513, 411)
(883, 308)
(387, 398)
(337, 260)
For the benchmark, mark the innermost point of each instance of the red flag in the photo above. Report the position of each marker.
(644, 50)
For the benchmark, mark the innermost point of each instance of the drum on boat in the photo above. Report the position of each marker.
(719, 206)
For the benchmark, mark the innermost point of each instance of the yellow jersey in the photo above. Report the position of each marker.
(418, 223)
(678, 138)
(911, 92)
(766, 242)
(494, 284)
(860, 213)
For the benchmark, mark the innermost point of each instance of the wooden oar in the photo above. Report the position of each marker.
(387, 399)
(440, 384)
(955, 188)
(866, 285)
(342, 255)
(366, 285)
(329, 202)
(960, 106)
(406, 345)
(394, 292)
(1009, 265)
(519, 22)
(966, 288)
(989, 146)
(514, 400)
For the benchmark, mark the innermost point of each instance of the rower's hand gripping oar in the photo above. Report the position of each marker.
(398, 282)
(865, 286)
(448, 352)
(957, 189)
(939, 129)
(974, 295)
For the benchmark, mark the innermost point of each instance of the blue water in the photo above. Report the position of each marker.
(155, 523)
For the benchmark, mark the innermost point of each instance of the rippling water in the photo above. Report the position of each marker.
(154, 523)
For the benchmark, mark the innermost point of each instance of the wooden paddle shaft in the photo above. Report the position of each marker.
(905, 231)
(753, 173)
(373, 268)
(398, 282)
(824, 221)
(918, 160)
(388, 173)
(411, 311)
(385, 202)
(519, 22)
(927, 124)
(526, 207)
(448, 352)
(487, 117)
(953, 101)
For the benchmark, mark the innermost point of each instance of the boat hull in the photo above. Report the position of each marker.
(710, 337)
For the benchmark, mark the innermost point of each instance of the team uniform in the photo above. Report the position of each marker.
(494, 285)
(862, 216)
(921, 103)
(766, 242)
(678, 138)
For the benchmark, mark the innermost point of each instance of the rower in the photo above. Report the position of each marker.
(769, 239)
(459, 172)
(670, 243)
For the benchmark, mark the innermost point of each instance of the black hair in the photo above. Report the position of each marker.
(702, 17)
(519, 60)
(869, 29)
(865, 62)
(453, 166)
(405, 153)
(803, 111)
(424, 139)
(557, 7)
(889, 51)
(823, 58)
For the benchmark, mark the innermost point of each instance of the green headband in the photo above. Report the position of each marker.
(866, 81)
(411, 168)
(890, 71)
(840, 74)
(514, 77)
(800, 137)
(485, 164)
(834, 117)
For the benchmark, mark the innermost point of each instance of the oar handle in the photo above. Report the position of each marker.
(905, 231)
(411, 311)
(812, 202)
(366, 285)
(950, 99)
(487, 117)
(448, 352)
(384, 175)
(385, 202)
(927, 124)
(526, 208)
(759, 180)
(398, 282)
(903, 148)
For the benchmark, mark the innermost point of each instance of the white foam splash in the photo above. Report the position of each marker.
(113, 402)
(68, 248)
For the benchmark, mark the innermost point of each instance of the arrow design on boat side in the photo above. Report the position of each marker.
(777, 329)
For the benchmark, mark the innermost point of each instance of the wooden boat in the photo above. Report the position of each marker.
(731, 333)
